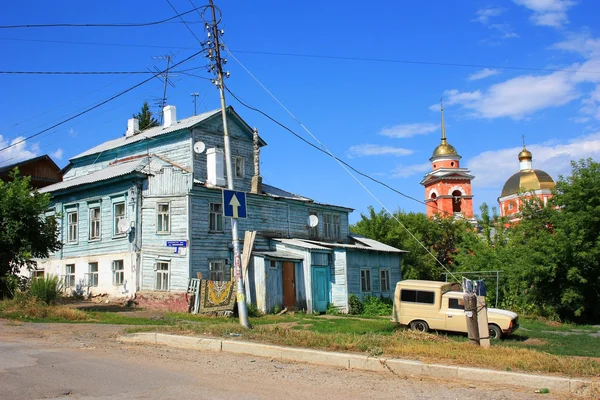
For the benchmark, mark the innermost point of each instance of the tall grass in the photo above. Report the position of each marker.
(47, 289)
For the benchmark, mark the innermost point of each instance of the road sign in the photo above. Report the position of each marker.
(176, 243)
(234, 204)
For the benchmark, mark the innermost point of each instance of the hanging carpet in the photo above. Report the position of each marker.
(217, 296)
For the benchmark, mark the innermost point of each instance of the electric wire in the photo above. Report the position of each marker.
(99, 104)
(185, 23)
(90, 72)
(104, 25)
(342, 164)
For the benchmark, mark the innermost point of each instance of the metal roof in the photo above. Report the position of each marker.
(276, 192)
(301, 243)
(527, 180)
(149, 133)
(374, 244)
(361, 243)
(112, 171)
(280, 254)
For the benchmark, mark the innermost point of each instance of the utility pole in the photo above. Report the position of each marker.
(195, 95)
(214, 54)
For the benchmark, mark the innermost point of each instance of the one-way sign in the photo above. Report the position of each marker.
(234, 204)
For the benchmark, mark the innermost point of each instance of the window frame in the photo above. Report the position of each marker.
(214, 217)
(332, 226)
(92, 276)
(118, 275)
(417, 297)
(215, 272)
(161, 216)
(365, 280)
(93, 222)
(239, 161)
(70, 276)
(164, 274)
(386, 279)
(116, 218)
(456, 306)
(72, 228)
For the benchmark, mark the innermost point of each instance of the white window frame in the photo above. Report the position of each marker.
(118, 217)
(384, 280)
(331, 226)
(95, 234)
(162, 276)
(217, 269)
(239, 167)
(92, 275)
(118, 272)
(70, 275)
(365, 281)
(72, 226)
(215, 217)
(163, 218)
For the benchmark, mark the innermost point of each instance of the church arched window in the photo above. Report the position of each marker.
(457, 201)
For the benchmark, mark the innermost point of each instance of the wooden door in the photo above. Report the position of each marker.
(289, 285)
(320, 283)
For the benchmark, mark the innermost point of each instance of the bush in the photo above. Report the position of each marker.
(375, 306)
(46, 289)
(253, 310)
(354, 305)
(332, 309)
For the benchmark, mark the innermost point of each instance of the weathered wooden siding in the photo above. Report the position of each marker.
(260, 285)
(339, 280)
(303, 276)
(357, 260)
(274, 286)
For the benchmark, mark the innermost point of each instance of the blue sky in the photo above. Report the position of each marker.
(504, 68)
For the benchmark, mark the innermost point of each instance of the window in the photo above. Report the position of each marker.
(273, 264)
(37, 273)
(417, 296)
(118, 272)
(365, 280)
(456, 304)
(313, 232)
(94, 223)
(92, 275)
(457, 203)
(118, 216)
(510, 206)
(238, 167)
(72, 226)
(215, 217)
(162, 218)
(332, 226)
(162, 276)
(70, 275)
(217, 271)
(384, 276)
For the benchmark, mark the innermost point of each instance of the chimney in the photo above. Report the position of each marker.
(215, 163)
(169, 116)
(133, 127)
(256, 186)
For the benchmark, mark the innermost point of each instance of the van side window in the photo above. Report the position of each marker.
(417, 296)
(456, 304)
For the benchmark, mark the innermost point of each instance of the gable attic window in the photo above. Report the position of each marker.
(238, 167)
(163, 217)
(332, 226)
(72, 226)
(95, 223)
(118, 216)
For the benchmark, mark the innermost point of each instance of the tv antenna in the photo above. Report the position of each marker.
(164, 76)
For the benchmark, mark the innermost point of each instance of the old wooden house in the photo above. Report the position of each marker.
(143, 213)
(42, 171)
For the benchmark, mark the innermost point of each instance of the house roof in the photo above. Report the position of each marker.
(112, 171)
(276, 192)
(302, 244)
(161, 130)
(29, 161)
(360, 243)
(374, 244)
(279, 254)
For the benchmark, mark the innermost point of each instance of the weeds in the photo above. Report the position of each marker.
(46, 289)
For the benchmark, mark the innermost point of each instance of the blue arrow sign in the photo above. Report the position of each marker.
(234, 204)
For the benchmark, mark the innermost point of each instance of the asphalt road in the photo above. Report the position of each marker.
(56, 361)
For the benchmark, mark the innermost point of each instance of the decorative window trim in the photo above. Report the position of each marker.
(365, 285)
(115, 229)
(432, 192)
(166, 219)
(218, 217)
(95, 206)
(459, 188)
(72, 239)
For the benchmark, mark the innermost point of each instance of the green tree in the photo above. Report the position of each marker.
(145, 116)
(24, 233)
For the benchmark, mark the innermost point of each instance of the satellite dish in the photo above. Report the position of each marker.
(123, 225)
(199, 147)
(313, 220)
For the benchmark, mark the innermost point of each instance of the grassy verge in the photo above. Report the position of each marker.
(538, 347)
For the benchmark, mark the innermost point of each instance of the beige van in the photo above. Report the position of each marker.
(425, 305)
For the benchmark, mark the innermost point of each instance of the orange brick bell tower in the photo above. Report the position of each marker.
(448, 187)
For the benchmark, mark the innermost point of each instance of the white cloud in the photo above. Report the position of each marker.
(484, 73)
(493, 168)
(57, 154)
(18, 152)
(409, 130)
(404, 171)
(376, 150)
(517, 97)
(484, 14)
(548, 12)
(580, 43)
(504, 31)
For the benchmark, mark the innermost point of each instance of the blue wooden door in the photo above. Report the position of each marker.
(320, 288)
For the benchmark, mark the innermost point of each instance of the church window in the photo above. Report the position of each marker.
(452, 164)
(456, 204)
(433, 195)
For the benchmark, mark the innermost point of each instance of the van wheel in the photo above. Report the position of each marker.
(420, 326)
(495, 332)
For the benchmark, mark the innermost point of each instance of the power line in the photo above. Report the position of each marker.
(98, 105)
(88, 72)
(185, 23)
(97, 43)
(104, 25)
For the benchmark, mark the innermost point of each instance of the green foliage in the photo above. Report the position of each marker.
(24, 233)
(253, 310)
(145, 117)
(276, 310)
(375, 306)
(46, 289)
(332, 309)
(354, 305)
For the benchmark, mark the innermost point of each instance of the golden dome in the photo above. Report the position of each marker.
(527, 181)
(525, 155)
(444, 149)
